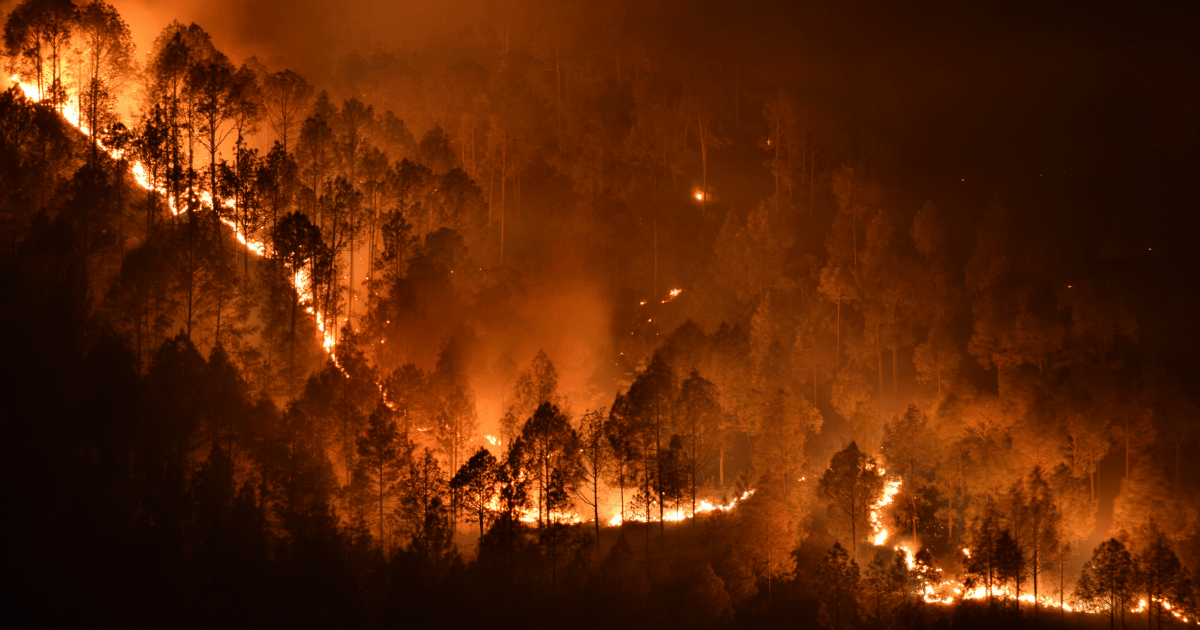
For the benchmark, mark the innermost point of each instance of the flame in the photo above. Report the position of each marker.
(875, 517)
(1142, 607)
(940, 590)
(672, 294)
(678, 514)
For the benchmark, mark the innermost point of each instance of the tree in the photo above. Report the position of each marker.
(550, 446)
(212, 86)
(226, 403)
(408, 391)
(1107, 580)
(905, 444)
(36, 37)
(141, 300)
(374, 170)
(787, 421)
(454, 418)
(700, 412)
(195, 267)
(750, 257)
(619, 431)
(355, 125)
(766, 535)
(175, 54)
(595, 459)
(314, 151)
(399, 245)
(650, 404)
(534, 387)
(277, 181)
(422, 510)
(887, 576)
(1161, 576)
(286, 97)
(476, 486)
(381, 453)
(671, 479)
(849, 487)
(858, 200)
(339, 223)
(837, 584)
(993, 556)
(297, 244)
(152, 147)
(108, 54)
(1037, 521)
(240, 185)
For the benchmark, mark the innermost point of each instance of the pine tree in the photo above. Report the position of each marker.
(886, 577)
(476, 486)
(849, 487)
(1107, 581)
(381, 454)
(837, 584)
(550, 448)
(595, 459)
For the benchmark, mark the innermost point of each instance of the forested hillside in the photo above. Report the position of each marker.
(601, 314)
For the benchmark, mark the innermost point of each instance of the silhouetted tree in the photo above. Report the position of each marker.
(381, 455)
(476, 486)
(850, 485)
(550, 448)
(1108, 580)
(837, 582)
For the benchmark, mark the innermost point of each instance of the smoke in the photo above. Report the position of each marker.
(307, 36)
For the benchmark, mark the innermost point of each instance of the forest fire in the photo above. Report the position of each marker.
(330, 319)
(71, 113)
